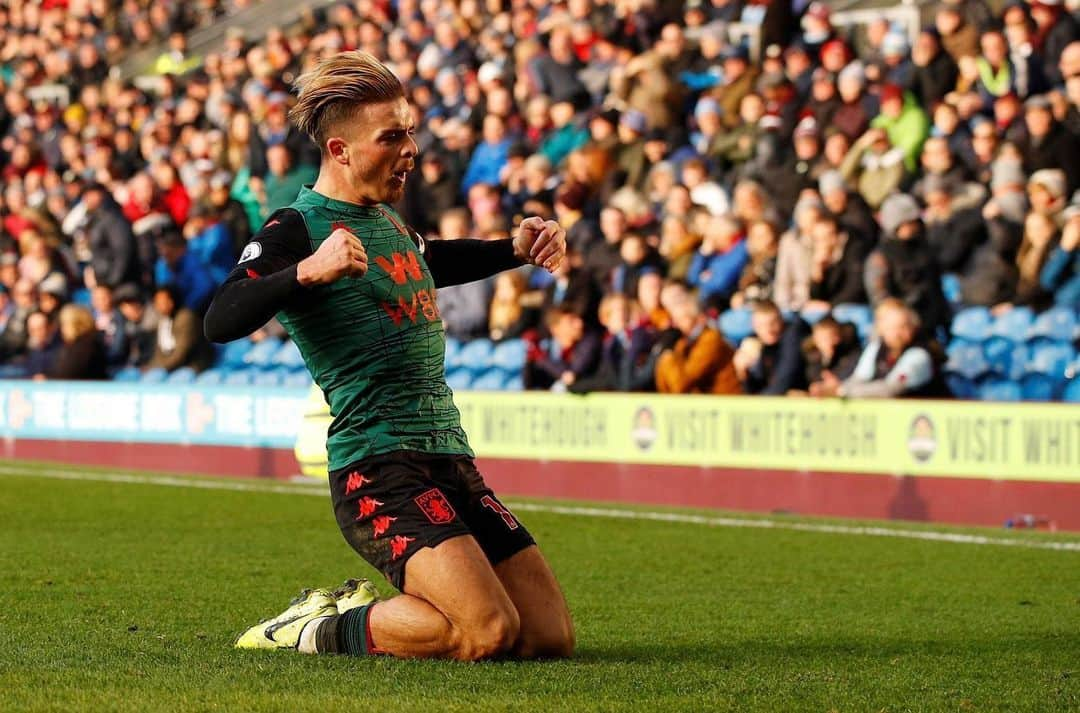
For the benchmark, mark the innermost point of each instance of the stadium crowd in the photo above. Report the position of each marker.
(837, 168)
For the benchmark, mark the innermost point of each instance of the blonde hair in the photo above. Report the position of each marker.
(75, 321)
(336, 88)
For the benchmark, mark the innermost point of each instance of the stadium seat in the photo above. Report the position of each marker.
(510, 355)
(972, 324)
(859, 315)
(238, 378)
(1072, 391)
(813, 316)
(950, 285)
(490, 380)
(263, 353)
(459, 379)
(967, 360)
(1040, 387)
(1052, 359)
(514, 382)
(183, 375)
(288, 356)
(154, 376)
(297, 380)
(127, 375)
(1014, 324)
(475, 355)
(1057, 324)
(232, 354)
(210, 377)
(270, 379)
(735, 325)
(453, 346)
(1004, 357)
(1000, 390)
(961, 387)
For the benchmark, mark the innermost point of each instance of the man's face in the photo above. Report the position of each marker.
(37, 330)
(768, 326)
(1038, 121)
(895, 329)
(612, 225)
(132, 310)
(381, 150)
(936, 157)
(277, 159)
(825, 237)
(101, 299)
(163, 303)
(567, 330)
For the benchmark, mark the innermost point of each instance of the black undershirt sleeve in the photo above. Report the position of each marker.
(263, 282)
(455, 262)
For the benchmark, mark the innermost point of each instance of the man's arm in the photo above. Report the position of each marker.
(276, 267)
(455, 262)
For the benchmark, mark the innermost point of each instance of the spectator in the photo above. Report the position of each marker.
(109, 322)
(719, 261)
(42, 346)
(678, 244)
(432, 191)
(771, 361)
(700, 361)
(571, 353)
(572, 289)
(489, 156)
(113, 250)
(229, 211)
(894, 364)
(759, 275)
(791, 288)
(935, 71)
(650, 288)
(180, 339)
(140, 325)
(1048, 144)
(603, 257)
(181, 269)
(464, 307)
(874, 167)
(507, 316)
(82, 354)
(849, 209)
(836, 266)
(565, 136)
(284, 179)
(1060, 273)
(904, 121)
(627, 362)
(953, 232)
(739, 80)
(208, 239)
(904, 265)
(831, 348)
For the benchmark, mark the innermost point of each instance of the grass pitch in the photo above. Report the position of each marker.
(123, 596)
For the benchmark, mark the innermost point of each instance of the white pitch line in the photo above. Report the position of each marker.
(570, 510)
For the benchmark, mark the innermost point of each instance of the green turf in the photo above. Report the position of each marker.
(126, 597)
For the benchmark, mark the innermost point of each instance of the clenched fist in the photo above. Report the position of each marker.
(340, 255)
(541, 243)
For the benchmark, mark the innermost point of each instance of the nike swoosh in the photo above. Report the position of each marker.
(269, 631)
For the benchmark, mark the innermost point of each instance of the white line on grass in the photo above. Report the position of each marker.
(577, 511)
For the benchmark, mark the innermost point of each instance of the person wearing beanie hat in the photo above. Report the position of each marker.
(849, 209)
(1048, 144)
(904, 265)
(1047, 192)
(852, 116)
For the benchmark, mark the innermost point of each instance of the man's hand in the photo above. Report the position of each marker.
(340, 255)
(541, 243)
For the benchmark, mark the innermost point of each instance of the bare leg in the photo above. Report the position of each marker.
(453, 606)
(546, 629)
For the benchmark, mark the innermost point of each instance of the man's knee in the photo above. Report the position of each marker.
(491, 638)
(552, 642)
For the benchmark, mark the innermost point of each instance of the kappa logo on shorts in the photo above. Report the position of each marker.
(355, 482)
(398, 545)
(436, 507)
(380, 525)
(368, 506)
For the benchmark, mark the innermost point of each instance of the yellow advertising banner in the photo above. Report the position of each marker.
(942, 438)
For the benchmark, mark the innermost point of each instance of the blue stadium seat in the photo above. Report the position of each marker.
(859, 315)
(81, 296)
(269, 379)
(475, 355)
(1072, 391)
(238, 378)
(490, 380)
(962, 387)
(1052, 359)
(1014, 324)
(297, 380)
(263, 353)
(510, 355)
(210, 377)
(288, 356)
(459, 379)
(453, 346)
(183, 375)
(232, 354)
(735, 325)
(950, 285)
(154, 376)
(127, 375)
(966, 359)
(813, 316)
(1040, 387)
(1004, 357)
(1057, 324)
(1000, 390)
(972, 324)
(514, 383)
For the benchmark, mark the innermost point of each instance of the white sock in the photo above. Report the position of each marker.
(306, 645)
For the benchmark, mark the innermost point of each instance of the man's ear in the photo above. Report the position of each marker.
(338, 150)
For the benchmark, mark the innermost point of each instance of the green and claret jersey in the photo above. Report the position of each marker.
(374, 344)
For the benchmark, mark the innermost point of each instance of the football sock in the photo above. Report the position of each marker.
(347, 633)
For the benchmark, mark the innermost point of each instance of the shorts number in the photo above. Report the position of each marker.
(490, 502)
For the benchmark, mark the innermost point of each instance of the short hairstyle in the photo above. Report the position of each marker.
(336, 88)
(765, 307)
